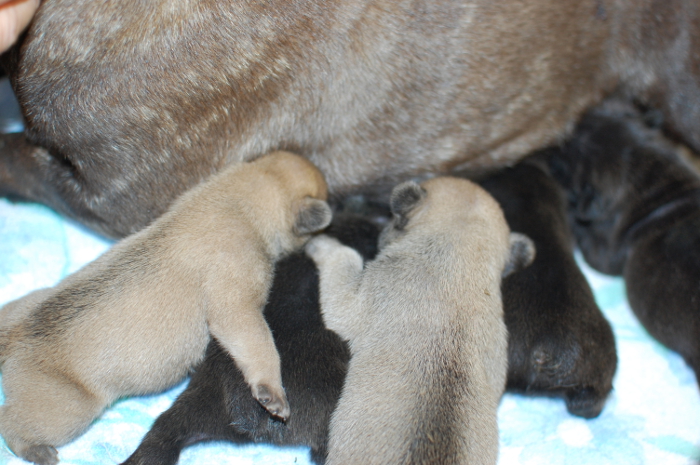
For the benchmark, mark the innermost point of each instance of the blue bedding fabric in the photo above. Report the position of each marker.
(652, 415)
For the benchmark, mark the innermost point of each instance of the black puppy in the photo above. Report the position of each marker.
(216, 403)
(559, 341)
(634, 207)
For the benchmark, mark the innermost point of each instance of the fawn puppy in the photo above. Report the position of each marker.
(634, 207)
(216, 403)
(138, 318)
(424, 321)
(558, 339)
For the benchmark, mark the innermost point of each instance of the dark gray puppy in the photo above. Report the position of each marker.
(216, 403)
(559, 341)
(634, 207)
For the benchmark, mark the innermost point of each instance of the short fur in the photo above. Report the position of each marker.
(634, 206)
(559, 341)
(558, 346)
(130, 103)
(216, 403)
(425, 325)
(138, 318)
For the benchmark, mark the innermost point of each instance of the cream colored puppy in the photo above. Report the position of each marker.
(425, 326)
(139, 317)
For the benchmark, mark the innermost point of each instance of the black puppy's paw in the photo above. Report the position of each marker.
(581, 375)
(585, 402)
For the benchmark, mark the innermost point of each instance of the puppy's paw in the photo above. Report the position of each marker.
(272, 400)
(584, 402)
(41, 454)
(320, 246)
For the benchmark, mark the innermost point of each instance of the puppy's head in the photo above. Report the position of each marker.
(298, 191)
(616, 169)
(457, 207)
(295, 175)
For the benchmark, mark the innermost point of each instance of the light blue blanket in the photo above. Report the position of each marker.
(652, 416)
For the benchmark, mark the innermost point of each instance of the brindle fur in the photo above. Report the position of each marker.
(138, 318)
(130, 103)
(425, 325)
(559, 342)
(634, 207)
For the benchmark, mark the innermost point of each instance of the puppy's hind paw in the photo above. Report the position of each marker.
(275, 403)
(41, 454)
(584, 402)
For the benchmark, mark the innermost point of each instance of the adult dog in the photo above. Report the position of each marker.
(130, 103)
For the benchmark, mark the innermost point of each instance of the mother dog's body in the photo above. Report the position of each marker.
(134, 102)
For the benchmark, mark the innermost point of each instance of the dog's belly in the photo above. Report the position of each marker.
(370, 90)
(397, 85)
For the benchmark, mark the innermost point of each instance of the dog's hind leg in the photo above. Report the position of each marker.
(43, 411)
(31, 173)
(101, 195)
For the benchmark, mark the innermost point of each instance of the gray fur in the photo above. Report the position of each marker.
(313, 216)
(124, 114)
(425, 325)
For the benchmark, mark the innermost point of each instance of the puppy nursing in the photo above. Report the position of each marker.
(425, 325)
(137, 319)
(314, 362)
(634, 208)
(558, 339)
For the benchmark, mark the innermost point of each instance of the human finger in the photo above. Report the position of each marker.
(14, 17)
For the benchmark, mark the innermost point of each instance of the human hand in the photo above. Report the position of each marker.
(14, 17)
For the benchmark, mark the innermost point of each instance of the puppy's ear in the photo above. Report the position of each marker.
(313, 215)
(404, 198)
(522, 253)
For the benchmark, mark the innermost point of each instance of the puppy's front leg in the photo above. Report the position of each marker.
(238, 323)
(340, 273)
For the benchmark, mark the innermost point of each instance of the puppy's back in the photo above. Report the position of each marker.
(427, 373)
